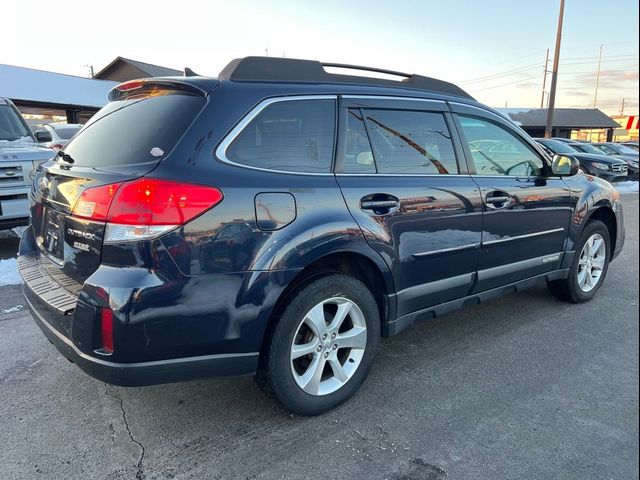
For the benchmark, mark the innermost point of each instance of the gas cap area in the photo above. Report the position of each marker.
(274, 210)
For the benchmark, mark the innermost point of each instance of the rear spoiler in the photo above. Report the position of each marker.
(144, 86)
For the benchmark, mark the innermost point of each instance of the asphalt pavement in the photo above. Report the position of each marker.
(525, 387)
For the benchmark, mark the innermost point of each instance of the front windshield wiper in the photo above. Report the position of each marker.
(64, 156)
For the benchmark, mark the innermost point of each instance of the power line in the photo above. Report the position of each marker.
(504, 84)
(502, 74)
(613, 58)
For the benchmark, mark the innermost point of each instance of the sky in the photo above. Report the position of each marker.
(494, 49)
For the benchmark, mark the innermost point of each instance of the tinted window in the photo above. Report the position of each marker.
(496, 151)
(294, 136)
(358, 157)
(411, 142)
(134, 131)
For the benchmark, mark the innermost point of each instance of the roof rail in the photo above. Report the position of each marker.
(290, 70)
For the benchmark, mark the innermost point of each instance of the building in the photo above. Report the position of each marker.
(123, 69)
(578, 123)
(628, 128)
(49, 97)
(45, 97)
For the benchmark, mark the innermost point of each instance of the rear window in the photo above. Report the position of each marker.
(134, 131)
(292, 136)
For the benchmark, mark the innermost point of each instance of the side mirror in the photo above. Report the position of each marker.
(565, 165)
(43, 136)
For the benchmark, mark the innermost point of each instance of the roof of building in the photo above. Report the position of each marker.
(562, 117)
(27, 84)
(148, 69)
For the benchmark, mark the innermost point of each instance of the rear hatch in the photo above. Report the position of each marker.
(125, 140)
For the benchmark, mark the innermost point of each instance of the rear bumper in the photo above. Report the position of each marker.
(144, 373)
(167, 328)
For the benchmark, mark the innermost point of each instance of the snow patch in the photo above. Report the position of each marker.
(9, 272)
(626, 187)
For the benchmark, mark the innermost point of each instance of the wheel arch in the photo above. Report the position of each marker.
(604, 213)
(367, 267)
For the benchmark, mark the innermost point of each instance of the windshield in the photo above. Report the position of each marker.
(557, 147)
(586, 148)
(11, 126)
(624, 150)
(607, 149)
(132, 131)
(66, 133)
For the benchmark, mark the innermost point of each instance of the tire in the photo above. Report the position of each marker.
(574, 289)
(327, 374)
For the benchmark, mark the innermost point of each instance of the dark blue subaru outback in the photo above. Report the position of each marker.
(279, 219)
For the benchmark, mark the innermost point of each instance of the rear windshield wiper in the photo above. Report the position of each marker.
(64, 156)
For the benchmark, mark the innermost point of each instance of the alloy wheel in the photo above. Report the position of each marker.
(328, 346)
(591, 262)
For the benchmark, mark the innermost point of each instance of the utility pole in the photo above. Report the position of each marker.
(544, 79)
(595, 95)
(622, 109)
(554, 74)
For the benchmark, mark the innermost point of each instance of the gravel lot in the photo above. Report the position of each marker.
(525, 387)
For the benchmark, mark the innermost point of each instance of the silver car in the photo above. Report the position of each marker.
(19, 157)
(56, 135)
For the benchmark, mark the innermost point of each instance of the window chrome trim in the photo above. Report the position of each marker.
(445, 250)
(519, 237)
(221, 149)
(378, 175)
(391, 97)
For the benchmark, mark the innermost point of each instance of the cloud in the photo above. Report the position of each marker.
(576, 93)
(608, 78)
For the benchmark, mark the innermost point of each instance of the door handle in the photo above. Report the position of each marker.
(379, 203)
(497, 199)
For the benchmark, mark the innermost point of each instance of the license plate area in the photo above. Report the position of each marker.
(52, 240)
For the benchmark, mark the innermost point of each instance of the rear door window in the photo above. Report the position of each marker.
(411, 142)
(137, 130)
(291, 136)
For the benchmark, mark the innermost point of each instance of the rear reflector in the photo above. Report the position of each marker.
(145, 207)
(106, 329)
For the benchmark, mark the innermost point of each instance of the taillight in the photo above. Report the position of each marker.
(106, 329)
(94, 203)
(144, 208)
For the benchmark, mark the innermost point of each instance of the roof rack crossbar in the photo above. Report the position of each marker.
(289, 70)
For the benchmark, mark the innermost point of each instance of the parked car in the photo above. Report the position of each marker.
(631, 145)
(564, 140)
(600, 165)
(19, 155)
(337, 208)
(622, 152)
(56, 135)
